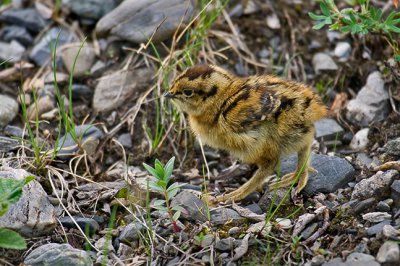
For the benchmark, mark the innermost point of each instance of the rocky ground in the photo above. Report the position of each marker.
(89, 204)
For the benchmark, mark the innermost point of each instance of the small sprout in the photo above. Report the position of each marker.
(163, 176)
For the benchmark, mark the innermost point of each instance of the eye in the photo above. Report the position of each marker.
(188, 92)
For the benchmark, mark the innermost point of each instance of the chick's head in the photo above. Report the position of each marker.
(199, 87)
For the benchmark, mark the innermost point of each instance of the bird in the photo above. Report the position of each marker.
(257, 119)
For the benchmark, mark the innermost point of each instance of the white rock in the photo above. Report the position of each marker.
(8, 110)
(371, 103)
(84, 61)
(322, 61)
(260, 226)
(389, 252)
(376, 217)
(375, 186)
(284, 223)
(11, 51)
(273, 22)
(342, 50)
(360, 140)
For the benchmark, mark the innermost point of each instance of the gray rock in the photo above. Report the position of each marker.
(125, 140)
(84, 61)
(392, 147)
(89, 137)
(323, 62)
(274, 197)
(41, 51)
(360, 206)
(88, 225)
(328, 129)
(28, 18)
(342, 50)
(13, 131)
(389, 252)
(376, 217)
(57, 254)
(206, 241)
(395, 192)
(371, 103)
(333, 173)
(131, 232)
(360, 140)
(11, 51)
(90, 9)
(226, 244)
(114, 89)
(377, 228)
(377, 185)
(220, 216)
(80, 91)
(234, 231)
(334, 262)
(390, 232)
(195, 209)
(8, 110)
(13, 32)
(137, 20)
(383, 206)
(8, 144)
(311, 229)
(364, 160)
(359, 257)
(33, 214)
(97, 68)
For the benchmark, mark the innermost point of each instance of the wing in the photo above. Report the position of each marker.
(253, 106)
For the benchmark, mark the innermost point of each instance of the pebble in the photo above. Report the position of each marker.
(88, 225)
(390, 232)
(311, 229)
(131, 232)
(284, 223)
(126, 140)
(32, 215)
(333, 173)
(114, 89)
(273, 198)
(226, 244)
(13, 131)
(323, 62)
(371, 103)
(137, 20)
(383, 206)
(363, 160)
(90, 9)
(220, 216)
(328, 129)
(8, 144)
(234, 231)
(360, 206)
(260, 228)
(80, 91)
(377, 185)
(342, 50)
(377, 228)
(357, 257)
(392, 147)
(41, 53)
(8, 110)
(376, 217)
(12, 51)
(389, 252)
(14, 32)
(28, 18)
(88, 135)
(395, 192)
(104, 243)
(195, 207)
(84, 61)
(58, 254)
(273, 22)
(360, 140)
(207, 240)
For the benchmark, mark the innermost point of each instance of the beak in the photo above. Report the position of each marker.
(169, 95)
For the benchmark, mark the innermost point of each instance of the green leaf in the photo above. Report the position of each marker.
(160, 171)
(172, 193)
(393, 28)
(150, 169)
(160, 208)
(177, 208)
(316, 17)
(175, 186)
(319, 25)
(390, 17)
(159, 202)
(324, 8)
(169, 167)
(155, 186)
(397, 58)
(10, 239)
(11, 191)
(162, 183)
(176, 215)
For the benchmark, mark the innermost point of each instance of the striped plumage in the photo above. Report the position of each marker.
(256, 118)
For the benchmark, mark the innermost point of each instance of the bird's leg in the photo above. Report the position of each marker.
(300, 175)
(250, 186)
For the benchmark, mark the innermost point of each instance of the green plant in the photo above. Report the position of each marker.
(163, 177)
(365, 20)
(10, 193)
